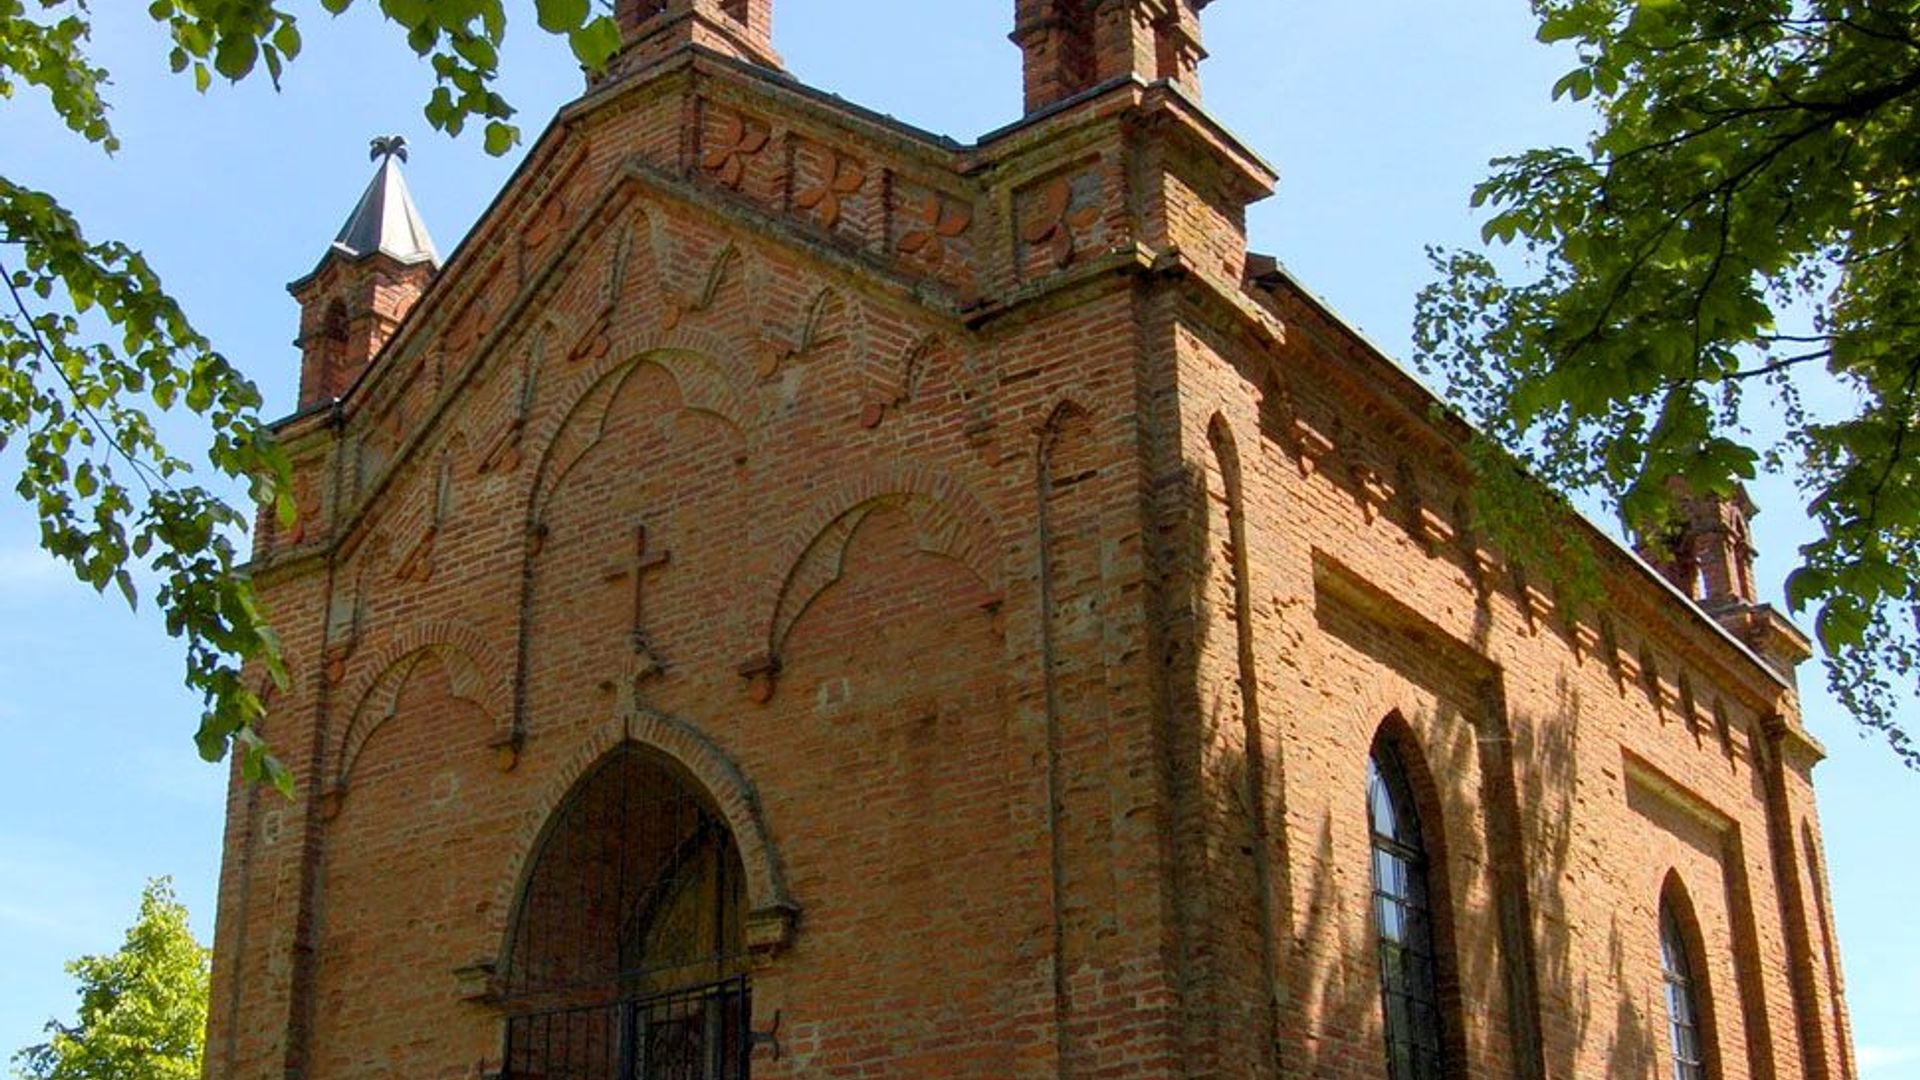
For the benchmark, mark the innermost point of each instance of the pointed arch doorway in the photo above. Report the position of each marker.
(627, 957)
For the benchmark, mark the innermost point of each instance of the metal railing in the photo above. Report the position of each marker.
(700, 1033)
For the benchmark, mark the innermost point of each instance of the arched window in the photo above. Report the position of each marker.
(334, 326)
(1403, 923)
(627, 958)
(1686, 1034)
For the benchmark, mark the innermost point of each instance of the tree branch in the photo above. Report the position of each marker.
(147, 476)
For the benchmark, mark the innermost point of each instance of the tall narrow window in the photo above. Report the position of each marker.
(1403, 921)
(1683, 1007)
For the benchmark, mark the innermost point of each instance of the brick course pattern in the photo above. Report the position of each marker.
(1022, 571)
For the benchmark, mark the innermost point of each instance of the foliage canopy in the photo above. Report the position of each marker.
(143, 1009)
(1725, 278)
(92, 348)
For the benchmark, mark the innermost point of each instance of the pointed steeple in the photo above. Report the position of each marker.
(376, 268)
(386, 220)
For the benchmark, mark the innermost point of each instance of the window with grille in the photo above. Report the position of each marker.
(1403, 923)
(1684, 1036)
(627, 957)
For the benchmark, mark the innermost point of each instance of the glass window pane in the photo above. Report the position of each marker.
(1402, 924)
(1685, 1041)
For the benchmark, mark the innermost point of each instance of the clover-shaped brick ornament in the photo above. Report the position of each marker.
(845, 177)
(467, 330)
(733, 146)
(942, 219)
(1066, 206)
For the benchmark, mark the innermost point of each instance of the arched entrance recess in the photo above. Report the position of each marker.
(628, 956)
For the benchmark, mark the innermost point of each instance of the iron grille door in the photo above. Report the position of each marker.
(696, 1034)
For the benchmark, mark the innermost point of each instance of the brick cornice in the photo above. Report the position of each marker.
(1636, 590)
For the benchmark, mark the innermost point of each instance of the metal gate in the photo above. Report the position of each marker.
(696, 1034)
(627, 956)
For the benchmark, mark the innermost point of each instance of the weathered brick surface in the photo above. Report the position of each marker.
(1024, 588)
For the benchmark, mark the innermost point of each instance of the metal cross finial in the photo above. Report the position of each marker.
(388, 146)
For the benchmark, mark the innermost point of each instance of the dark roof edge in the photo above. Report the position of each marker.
(294, 417)
(1319, 303)
(1047, 112)
(1179, 93)
(788, 82)
(784, 80)
(349, 256)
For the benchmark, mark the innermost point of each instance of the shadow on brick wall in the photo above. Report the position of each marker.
(1511, 865)
(1572, 1006)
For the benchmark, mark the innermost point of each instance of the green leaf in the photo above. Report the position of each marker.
(1840, 627)
(501, 137)
(235, 56)
(1576, 84)
(560, 16)
(478, 52)
(287, 39)
(596, 42)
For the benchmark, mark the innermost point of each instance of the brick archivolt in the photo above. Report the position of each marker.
(772, 914)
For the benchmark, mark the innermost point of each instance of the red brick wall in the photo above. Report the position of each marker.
(407, 863)
(1025, 594)
(348, 310)
(1556, 767)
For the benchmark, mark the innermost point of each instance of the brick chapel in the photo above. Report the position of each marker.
(794, 596)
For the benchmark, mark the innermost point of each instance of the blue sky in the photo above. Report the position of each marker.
(1380, 116)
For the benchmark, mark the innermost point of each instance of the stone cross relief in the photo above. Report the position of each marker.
(646, 560)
